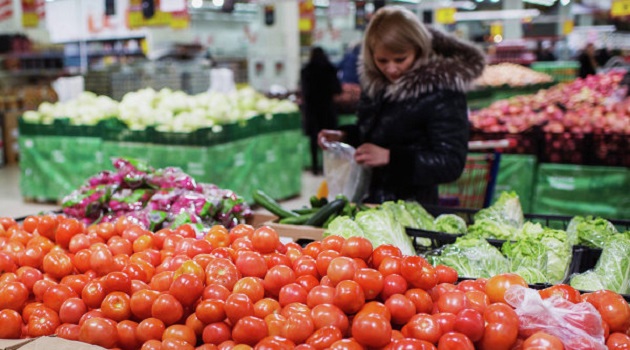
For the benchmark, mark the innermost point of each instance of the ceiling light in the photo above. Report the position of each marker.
(217, 3)
(498, 15)
(196, 3)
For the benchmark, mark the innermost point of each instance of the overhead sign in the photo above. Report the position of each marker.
(620, 8)
(567, 27)
(136, 18)
(445, 15)
(306, 22)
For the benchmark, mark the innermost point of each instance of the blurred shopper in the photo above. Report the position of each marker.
(545, 52)
(319, 84)
(412, 127)
(348, 66)
(588, 63)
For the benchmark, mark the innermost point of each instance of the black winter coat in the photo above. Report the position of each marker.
(319, 84)
(422, 119)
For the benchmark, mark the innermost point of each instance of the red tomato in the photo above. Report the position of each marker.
(266, 306)
(320, 295)
(501, 313)
(215, 291)
(42, 321)
(421, 299)
(250, 263)
(68, 331)
(240, 230)
(167, 309)
(453, 302)
(499, 284)
(357, 247)
(210, 311)
(250, 286)
(470, 323)
(216, 333)
(116, 306)
(381, 252)
(223, 272)
(275, 324)
(446, 274)
(393, 284)
(324, 337)
(313, 249)
(72, 310)
(99, 331)
(418, 272)
(292, 293)
(187, 289)
(195, 324)
(308, 282)
(66, 229)
(274, 342)
(330, 315)
(613, 308)
(424, 327)
(152, 344)
(618, 341)
(498, 336)
(340, 269)
(249, 330)
(28, 276)
(410, 343)
(370, 280)
(117, 282)
(349, 296)
(477, 300)
(141, 303)
(218, 236)
(323, 259)
(542, 341)
(180, 332)
(562, 290)
(305, 265)
(446, 321)
(298, 327)
(76, 282)
(455, 341)
(57, 264)
(401, 308)
(13, 295)
(10, 324)
(150, 329)
(127, 339)
(333, 242)
(265, 240)
(238, 306)
(390, 265)
(371, 330)
(277, 277)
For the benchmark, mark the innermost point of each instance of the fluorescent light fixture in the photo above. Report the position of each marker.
(541, 2)
(196, 3)
(217, 3)
(464, 5)
(492, 15)
(321, 3)
(565, 2)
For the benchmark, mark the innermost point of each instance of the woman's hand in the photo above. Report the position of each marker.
(371, 155)
(327, 135)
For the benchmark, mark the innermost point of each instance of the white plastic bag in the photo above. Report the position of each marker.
(344, 175)
(578, 326)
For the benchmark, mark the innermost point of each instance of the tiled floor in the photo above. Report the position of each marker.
(13, 205)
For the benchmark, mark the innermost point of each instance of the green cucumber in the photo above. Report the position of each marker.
(302, 211)
(326, 211)
(297, 220)
(263, 199)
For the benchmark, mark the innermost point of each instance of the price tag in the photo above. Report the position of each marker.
(620, 8)
(445, 15)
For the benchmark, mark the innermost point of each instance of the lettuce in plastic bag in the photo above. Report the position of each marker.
(613, 266)
(488, 228)
(450, 223)
(399, 210)
(590, 231)
(526, 253)
(506, 210)
(559, 254)
(473, 257)
(380, 227)
(531, 275)
(421, 215)
(587, 281)
(345, 227)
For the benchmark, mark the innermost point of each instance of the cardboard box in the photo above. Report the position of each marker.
(45, 343)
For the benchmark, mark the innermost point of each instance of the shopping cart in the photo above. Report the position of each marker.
(475, 187)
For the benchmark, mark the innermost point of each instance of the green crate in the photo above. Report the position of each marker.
(199, 137)
(561, 71)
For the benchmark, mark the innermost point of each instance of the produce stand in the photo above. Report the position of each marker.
(264, 152)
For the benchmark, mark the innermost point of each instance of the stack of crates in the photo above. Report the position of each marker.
(560, 71)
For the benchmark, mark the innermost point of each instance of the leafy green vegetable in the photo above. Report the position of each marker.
(587, 281)
(422, 217)
(613, 266)
(401, 214)
(450, 223)
(473, 257)
(559, 253)
(506, 210)
(531, 274)
(592, 232)
(488, 228)
(345, 227)
(380, 227)
(526, 254)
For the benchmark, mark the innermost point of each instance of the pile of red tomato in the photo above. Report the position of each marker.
(118, 285)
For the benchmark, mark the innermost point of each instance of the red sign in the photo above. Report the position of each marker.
(6, 9)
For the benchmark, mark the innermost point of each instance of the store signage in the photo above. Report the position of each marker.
(32, 12)
(620, 8)
(306, 22)
(496, 29)
(136, 18)
(567, 27)
(445, 15)
(6, 9)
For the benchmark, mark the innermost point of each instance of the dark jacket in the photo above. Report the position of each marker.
(586, 66)
(319, 83)
(422, 119)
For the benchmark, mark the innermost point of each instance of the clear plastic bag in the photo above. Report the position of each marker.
(578, 326)
(343, 174)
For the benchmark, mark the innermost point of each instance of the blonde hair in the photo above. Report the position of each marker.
(398, 30)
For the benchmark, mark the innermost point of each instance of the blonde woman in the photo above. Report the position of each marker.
(412, 126)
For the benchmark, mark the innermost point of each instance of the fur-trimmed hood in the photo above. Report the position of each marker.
(453, 65)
